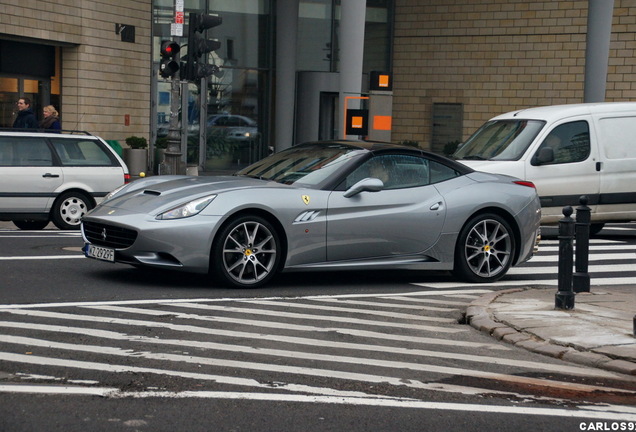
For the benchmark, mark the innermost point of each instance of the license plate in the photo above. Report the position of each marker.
(100, 253)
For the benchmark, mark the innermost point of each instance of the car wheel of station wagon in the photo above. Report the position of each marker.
(68, 210)
(30, 224)
(246, 252)
(485, 249)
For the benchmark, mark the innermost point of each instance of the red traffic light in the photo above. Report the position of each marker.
(169, 64)
(169, 48)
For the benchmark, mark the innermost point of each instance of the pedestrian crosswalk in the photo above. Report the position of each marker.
(404, 347)
(399, 346)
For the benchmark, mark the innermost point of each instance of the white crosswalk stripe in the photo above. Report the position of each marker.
(610, 263)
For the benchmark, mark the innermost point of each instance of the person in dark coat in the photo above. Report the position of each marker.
(26, 118)
(51, 119)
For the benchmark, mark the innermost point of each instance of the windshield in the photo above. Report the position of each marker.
(306, 164)
(500, 140)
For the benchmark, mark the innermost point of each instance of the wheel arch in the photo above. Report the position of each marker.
(269, 217)
(84, 192)
(510, 220)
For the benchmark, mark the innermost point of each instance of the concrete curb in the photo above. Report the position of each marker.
(479, 316)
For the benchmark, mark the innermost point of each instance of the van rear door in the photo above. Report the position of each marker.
(617, 143)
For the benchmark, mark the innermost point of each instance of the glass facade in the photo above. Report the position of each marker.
(235, 104)
(318, 31)
(21, 75)
(229, 103)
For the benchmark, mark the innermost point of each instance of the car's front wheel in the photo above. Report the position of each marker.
(68, 210)
(246, 252)
(485, 249)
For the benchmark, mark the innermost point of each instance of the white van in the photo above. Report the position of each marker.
(566, 151)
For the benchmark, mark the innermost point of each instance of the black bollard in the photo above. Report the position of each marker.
(581, 278)
(564, 298)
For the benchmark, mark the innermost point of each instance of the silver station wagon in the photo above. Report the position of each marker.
(55, 177)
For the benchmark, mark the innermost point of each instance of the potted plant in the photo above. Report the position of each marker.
(136, 142)
(136, 155)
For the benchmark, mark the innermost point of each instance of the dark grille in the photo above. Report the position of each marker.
(116, 237)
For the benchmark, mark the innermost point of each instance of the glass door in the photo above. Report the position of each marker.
(12, 89)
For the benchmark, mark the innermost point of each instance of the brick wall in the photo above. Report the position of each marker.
(103, 78)
(495, 56)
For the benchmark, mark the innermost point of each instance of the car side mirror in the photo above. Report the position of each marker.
(365, 185)
(543, 156)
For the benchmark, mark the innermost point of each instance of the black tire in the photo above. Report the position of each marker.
(485, 249)
(246, 253)
(68, 210)
(596, 228)
(29, 224)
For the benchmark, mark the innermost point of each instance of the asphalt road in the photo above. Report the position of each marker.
(86, 345)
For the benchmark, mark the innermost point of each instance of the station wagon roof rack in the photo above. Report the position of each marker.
(64, 131)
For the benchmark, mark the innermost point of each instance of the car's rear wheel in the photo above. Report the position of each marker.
(485, 249)
(246, 252)
(28, 224)
(68, 210)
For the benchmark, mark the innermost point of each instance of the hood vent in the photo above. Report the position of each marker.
(151, 192)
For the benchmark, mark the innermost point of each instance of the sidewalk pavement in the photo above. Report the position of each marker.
(598, 332)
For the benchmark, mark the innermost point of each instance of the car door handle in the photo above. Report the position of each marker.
(436, 206)
(50, 175)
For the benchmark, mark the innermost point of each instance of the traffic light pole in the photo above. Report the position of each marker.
(172, 163)
(194, 70)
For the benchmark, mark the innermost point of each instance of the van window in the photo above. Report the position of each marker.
(500, 140)
(75, 152)
(566, 143)
(619, 137)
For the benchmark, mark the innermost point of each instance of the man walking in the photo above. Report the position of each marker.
(25, 119)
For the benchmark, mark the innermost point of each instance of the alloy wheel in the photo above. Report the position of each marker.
(249, 253)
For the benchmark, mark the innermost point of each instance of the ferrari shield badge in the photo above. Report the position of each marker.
(306, 199)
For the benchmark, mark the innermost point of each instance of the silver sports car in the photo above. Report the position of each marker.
(336, 205)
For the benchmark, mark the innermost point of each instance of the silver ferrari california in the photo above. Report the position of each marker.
(335, 205)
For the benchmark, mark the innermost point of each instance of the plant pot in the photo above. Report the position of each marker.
(192, 170)
(137, 160)
(160, 156)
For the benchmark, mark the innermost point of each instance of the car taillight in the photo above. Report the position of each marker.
(525, 183)
(126, 178)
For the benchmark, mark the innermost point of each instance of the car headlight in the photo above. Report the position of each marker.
(186, 210)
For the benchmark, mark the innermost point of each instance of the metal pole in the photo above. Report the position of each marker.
(172, 162)
(564, 298)
(599, 34)
(581, 278)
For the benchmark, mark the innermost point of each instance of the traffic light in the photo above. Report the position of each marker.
(169, 58)
(198, 46)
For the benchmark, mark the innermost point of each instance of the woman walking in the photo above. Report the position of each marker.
(51, 119)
